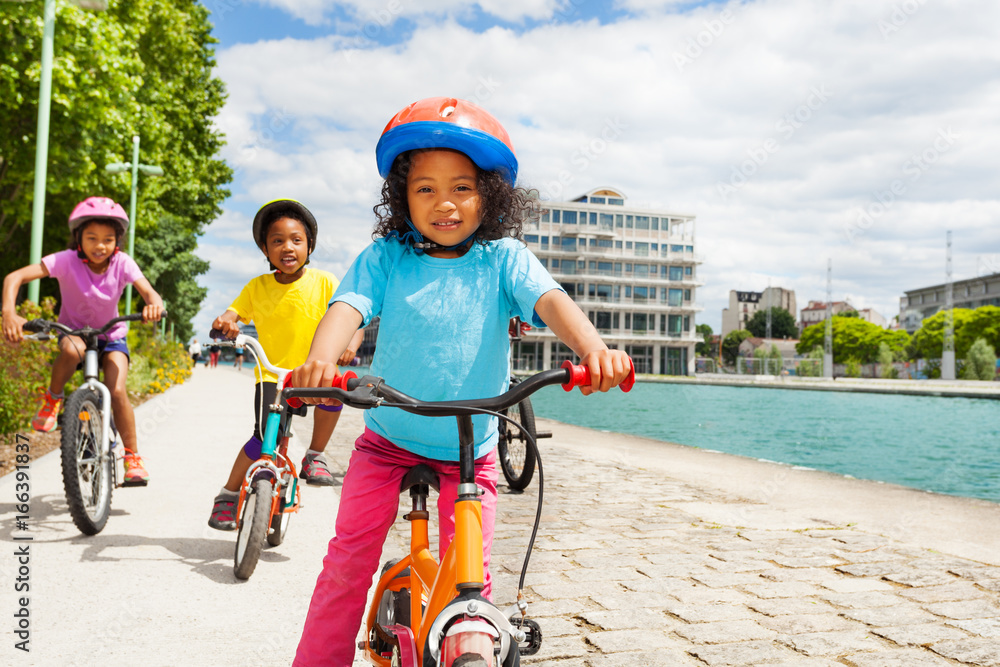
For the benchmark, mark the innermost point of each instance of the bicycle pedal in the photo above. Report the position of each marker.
(533, 635)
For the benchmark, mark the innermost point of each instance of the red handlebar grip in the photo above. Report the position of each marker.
(339, 382)
(580, 375)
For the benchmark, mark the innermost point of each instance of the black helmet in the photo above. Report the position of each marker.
(278, 208)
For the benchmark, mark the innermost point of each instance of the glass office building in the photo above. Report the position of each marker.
(633, 271)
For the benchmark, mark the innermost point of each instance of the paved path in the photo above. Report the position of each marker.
(649, 554)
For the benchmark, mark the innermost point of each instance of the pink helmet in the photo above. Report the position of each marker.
(98, 208)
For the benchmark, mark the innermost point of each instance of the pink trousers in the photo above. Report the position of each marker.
(369, 503)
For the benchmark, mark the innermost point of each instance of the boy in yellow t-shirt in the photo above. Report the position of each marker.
(285, 306)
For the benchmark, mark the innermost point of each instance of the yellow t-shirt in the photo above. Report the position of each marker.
(286, 316)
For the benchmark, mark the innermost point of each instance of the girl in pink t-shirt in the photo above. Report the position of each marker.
(92, 275)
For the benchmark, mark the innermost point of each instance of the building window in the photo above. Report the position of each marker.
(675, 298)
(545, 215)
(604, 243)
(676, 248)
(618, 245)
(555, 263)
(531, 238)
(555, 215)
(687, 295)
(688, 271)
(628, 222)
(665, 226)
(628, 291)
(689, 248)
(602, 321)
(600, 292)
(642, 357)
(605, 268)
(628, 245)
(607, 221)
(593, 243)
(640, 293)
(628, 321)
(618, 220)
(561, 353)
(677, 273)
(641, 249)
(654, 224)
(642, 222)
(598, 200)
(568, 244)
(687, 323)
(674, 323)
(569, 217)
(616, 201)
(639, 322)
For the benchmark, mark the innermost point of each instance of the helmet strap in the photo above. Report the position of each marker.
(416, 240)
(81, 254)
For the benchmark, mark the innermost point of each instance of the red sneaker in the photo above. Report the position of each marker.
(135, 472)
(45, 420)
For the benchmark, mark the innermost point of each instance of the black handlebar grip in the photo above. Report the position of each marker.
(35, 326)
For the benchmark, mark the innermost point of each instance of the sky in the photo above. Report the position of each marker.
(851, 131)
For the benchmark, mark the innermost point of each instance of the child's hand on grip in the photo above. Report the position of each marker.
(315, 374)
(608, 369)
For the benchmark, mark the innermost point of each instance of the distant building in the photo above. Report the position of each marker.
(633, 271)
(742, 306)
(873, 316)
(816, 312)
(919, 304)
(785, 346)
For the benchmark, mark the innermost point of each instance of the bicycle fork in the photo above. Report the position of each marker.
(90, 374)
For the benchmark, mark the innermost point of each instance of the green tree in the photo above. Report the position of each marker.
(853, 338)
(704, 348)
(981, 363)
(969, 325)
(731, 345)
(782, 324)
(143, 67)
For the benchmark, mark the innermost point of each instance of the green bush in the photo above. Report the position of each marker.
(981, 363)
(852, 368)
(24, 371)
(885, 360)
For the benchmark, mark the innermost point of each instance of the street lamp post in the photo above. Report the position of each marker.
(42, 134)
(135, 167)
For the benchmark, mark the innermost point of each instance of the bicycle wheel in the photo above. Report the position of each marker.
(254, 522)
(279, 522)
(86, 473)
(517, 457)
(394, 607)
(468, 644)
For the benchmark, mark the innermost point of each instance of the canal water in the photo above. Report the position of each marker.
(945, 445)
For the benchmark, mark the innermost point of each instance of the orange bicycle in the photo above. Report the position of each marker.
(431, 614)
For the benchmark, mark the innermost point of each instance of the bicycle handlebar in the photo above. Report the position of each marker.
(248, 341)
(371, 392)
(44, 326)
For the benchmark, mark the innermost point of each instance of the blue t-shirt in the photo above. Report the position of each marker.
(443, 331)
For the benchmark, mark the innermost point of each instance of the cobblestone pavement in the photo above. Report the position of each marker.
(625, 575)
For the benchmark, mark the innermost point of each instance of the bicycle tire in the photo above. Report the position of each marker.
(253, 528)
(86, 473)
(280, 521)
(394, 607)
(467, 649)
(514, 450)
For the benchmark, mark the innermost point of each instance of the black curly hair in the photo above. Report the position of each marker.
(503, 209)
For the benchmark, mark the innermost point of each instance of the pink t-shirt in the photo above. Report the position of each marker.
(88, 298)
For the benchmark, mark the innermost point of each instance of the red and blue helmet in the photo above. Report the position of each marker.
(447, 122)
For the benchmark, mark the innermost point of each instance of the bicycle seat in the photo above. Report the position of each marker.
(420, 474)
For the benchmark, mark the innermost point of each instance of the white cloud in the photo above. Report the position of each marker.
(372, 14)
(809, 113)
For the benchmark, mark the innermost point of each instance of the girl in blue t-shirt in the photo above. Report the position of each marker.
(445, 274)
